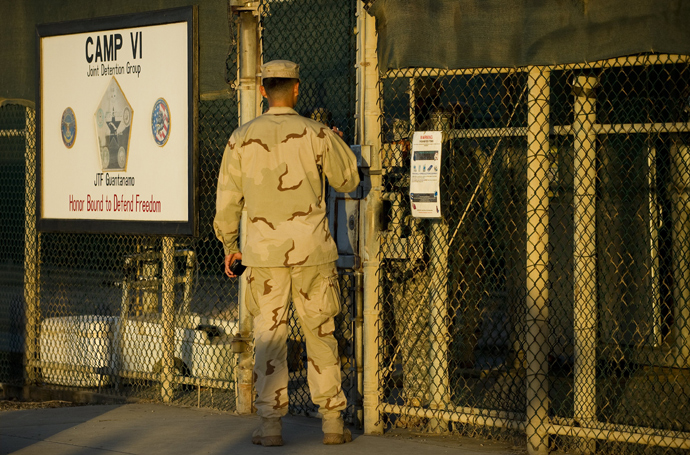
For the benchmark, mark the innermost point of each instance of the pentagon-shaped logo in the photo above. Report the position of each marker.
(113, 127)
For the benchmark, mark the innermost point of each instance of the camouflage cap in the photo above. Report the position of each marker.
(280, 68)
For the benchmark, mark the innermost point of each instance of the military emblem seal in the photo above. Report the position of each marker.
(68, 127)
(160, 122)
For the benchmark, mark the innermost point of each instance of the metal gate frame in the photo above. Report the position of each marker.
(536, 423)
(250, 57)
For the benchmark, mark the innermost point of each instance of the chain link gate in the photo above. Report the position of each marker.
(551, 298)
(319, 36)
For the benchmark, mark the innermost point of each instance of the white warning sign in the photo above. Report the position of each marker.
(425, 174)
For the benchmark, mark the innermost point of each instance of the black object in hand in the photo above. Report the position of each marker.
(237, 268)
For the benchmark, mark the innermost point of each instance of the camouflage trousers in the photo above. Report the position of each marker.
(316, 295)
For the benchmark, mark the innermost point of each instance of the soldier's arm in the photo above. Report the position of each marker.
(340, 164)
(229, 199)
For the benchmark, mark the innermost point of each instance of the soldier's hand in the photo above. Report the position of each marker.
(229, 259)
(337, 131)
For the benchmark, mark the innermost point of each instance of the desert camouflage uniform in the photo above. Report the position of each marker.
(275, 167)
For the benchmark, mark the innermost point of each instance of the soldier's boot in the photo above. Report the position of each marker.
(334, 431)
(269, 433)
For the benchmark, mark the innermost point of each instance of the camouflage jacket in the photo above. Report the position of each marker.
(275, 167)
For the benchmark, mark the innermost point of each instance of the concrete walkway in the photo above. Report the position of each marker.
(152, 429)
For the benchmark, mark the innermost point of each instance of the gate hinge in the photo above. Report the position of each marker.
(241, 344)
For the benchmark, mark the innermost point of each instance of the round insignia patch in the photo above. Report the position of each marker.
(121, 157)
(105, 157)
(68, 127)
(127, 115)
(160, 122)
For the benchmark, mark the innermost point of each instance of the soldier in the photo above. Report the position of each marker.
(276, 167)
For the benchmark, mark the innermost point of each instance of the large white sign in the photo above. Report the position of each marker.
(115, 149)
(425, 174)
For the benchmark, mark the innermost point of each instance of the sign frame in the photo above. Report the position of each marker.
(188, 226)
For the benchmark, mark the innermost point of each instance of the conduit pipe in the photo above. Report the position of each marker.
(537, 261)
(584, 256)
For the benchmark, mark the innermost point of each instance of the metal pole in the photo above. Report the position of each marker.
(249, 59)
(248, 69)
(680, 156)
(359, 345)
(584, 258)
(31, 250)
(371, 266)
(413, 103)
(369, 133)
(537, 261)
(168, 320)
(438, 321)
(655, 292)
(188, 277)
(471, 418)
(149, 271)
(618, 433)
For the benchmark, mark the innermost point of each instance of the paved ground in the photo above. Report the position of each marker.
(151, 429)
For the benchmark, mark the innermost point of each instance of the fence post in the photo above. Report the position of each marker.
(248, 67)
(31, 250)
(368, 133)
(168, 320)
(584, 254)
(680, 214)
(537, 261)
(438, 321)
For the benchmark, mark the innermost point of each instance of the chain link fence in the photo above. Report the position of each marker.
(87, 310)
(551, 297)
(550, 300)
(92, 306)
(12, 177)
